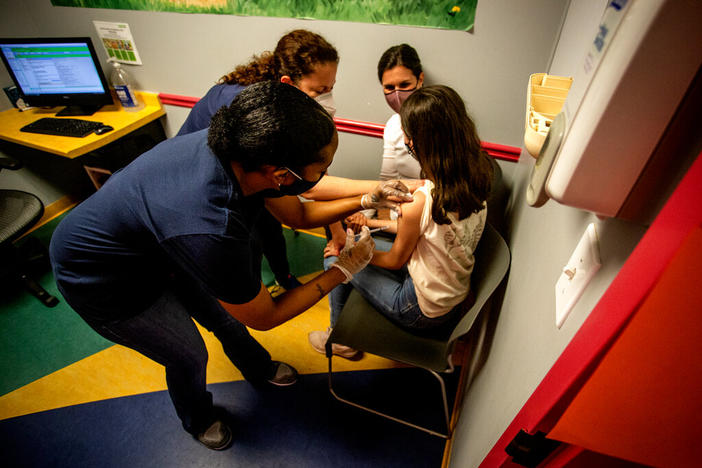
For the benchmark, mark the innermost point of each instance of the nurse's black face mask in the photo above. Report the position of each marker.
(299, 186)
(296, 188)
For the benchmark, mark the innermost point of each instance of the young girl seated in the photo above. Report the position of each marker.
(419, 282)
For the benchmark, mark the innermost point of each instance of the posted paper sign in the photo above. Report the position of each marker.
(118, 42)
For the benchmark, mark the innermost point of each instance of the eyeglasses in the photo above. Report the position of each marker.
(293, 173)
(300, 178)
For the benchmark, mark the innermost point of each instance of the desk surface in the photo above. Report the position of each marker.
(71, 147)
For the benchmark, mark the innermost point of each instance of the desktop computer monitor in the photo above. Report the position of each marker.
(53, 72)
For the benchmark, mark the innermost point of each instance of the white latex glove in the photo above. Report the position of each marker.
(356, 253)
(387, 194)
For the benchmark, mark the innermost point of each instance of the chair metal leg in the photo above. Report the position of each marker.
(393, 418)
(38, 291)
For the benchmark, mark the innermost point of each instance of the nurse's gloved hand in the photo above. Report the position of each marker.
(388, 194)
(356, 253)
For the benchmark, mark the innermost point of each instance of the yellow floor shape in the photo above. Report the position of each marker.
(118, 371)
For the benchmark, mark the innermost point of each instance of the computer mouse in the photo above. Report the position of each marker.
(103, 129)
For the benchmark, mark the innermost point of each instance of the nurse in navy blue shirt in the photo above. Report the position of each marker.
(302, 59)
(169, 238)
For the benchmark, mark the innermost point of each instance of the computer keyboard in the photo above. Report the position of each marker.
(62, 127)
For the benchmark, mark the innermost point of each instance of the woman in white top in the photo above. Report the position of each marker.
(426, 273)
(400, 74)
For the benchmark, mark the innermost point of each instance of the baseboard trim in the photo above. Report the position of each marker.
(317, 232)
(65, 203)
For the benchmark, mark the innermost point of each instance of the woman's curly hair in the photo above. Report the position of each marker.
(296, 55)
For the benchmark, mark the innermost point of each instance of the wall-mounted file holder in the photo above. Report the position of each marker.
(545, 97)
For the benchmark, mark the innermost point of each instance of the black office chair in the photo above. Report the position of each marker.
(363, 328)
(19, 211)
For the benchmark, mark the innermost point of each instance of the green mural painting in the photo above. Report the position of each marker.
(444, 14)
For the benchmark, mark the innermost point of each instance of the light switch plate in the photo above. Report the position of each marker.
(577, 274)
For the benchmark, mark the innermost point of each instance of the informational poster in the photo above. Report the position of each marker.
(118, 42)
(443, 14)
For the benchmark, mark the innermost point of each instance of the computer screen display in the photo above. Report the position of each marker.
(57, 72)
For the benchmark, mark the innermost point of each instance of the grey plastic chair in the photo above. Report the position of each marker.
(361, 327)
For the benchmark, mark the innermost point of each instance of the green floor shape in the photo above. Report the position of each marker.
(305, 254)
(36, 341)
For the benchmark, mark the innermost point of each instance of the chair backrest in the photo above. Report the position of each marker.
(19, 211)
(492, 259)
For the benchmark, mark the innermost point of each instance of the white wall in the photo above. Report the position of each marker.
(186, 53)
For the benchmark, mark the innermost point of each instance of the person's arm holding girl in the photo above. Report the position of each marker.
(400, 74)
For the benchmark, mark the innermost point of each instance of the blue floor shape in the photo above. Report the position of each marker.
(298, 426)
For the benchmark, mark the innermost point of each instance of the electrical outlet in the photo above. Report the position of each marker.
(577, 274)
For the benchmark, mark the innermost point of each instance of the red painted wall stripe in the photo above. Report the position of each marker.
(504, 152)
(176, 100)
(379, 128)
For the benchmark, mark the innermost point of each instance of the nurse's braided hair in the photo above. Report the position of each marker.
(271, 123)
(296, 55)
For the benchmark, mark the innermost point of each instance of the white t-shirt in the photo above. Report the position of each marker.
(442, 261)
(397, 162)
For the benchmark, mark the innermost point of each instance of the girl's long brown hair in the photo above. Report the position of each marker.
(296, 55)
(446, 142)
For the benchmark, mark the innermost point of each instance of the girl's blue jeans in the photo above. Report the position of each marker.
(390, 292)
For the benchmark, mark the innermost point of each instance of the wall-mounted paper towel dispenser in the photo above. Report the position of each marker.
(642, 61)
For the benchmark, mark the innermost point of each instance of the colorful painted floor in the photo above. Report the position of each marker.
(69, 398)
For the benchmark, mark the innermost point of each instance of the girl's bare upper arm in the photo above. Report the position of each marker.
(407, 235)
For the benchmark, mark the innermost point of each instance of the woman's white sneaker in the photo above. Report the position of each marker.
(318, 340)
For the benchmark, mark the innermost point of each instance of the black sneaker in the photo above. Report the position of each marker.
(217, 437)
(289, 282)
(284, 374)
